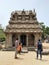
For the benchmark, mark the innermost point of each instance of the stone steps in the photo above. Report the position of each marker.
(31, 48)
(9, 49)
(24, 49)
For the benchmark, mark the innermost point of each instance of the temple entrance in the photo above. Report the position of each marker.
(23, 40)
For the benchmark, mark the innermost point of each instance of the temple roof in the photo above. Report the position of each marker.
(23, 31)
(24, 24)
(24, 12)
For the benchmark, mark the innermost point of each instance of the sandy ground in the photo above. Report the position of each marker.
(7, 58)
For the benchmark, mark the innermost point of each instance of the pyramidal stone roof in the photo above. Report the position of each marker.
(23, 22)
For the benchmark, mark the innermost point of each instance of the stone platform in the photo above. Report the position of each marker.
(44, 52)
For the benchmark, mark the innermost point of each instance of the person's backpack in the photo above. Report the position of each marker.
(40, 46)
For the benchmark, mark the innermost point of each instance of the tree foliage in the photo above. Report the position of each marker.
(2, 35)
(45, 30)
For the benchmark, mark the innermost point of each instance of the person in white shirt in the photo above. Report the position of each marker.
(16, 45)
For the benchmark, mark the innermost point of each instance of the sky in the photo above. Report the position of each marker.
(7, 6)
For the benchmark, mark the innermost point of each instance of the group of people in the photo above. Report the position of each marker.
(18, 47)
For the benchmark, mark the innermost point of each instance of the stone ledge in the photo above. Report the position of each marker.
(45, 51)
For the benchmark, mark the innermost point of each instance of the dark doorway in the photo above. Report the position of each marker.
(23, 40)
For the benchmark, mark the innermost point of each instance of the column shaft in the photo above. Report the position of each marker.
(27, 40)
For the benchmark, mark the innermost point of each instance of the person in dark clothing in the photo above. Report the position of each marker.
(39, 49)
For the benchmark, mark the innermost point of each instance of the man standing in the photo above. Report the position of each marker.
(39, 49)
(16, 45)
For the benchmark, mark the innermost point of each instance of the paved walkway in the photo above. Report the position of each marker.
(7, 58)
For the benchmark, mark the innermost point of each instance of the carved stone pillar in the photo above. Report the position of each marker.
(27, 40)
(19, 37)
(36, 38)
(8, 40)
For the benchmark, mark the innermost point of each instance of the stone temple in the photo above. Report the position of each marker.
(24, 25)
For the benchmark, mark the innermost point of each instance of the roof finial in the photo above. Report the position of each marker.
(23, 12)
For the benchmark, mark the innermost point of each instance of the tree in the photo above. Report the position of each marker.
(2, 35)
(44, 30)
(47, 30)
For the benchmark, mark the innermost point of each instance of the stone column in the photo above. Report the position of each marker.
(6, 43)
(36, 38)
(19, 37)
(8, 40)
(27, 40)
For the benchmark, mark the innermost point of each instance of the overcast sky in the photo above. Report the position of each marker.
(41, 7)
